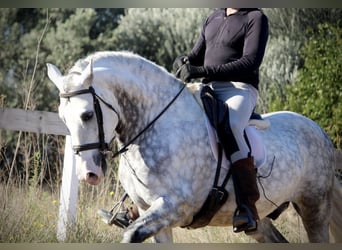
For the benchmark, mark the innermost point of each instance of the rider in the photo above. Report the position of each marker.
(227, 54)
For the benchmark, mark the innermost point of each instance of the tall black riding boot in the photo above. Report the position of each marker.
(247, 193)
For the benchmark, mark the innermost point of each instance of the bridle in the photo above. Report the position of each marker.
(101, 144)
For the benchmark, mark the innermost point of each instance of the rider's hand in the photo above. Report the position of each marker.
(179, 61)
(188, 72)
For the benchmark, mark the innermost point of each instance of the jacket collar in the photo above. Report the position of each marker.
(242, 11)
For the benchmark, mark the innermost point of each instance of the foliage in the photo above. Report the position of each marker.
(29, 39)
(66, 41)
(294, 22)
(317, 91)
(159, 34)
(279, 68)
(70, 34)
(288, 33)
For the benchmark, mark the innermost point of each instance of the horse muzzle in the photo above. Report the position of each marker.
(91, 170)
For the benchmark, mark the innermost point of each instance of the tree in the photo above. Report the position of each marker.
(288, 33)
(158, 34)
(317, 91)
(29, 39)
(70, 34)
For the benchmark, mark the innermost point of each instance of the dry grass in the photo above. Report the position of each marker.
(289, 224)
(27, 215)
(31, 214)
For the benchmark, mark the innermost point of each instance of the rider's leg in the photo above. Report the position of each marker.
(247, 193)
(240, 99)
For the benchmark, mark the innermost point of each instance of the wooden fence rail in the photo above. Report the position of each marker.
(32, 121)
(50, 123)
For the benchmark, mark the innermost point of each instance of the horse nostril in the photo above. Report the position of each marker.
(92, 178)
(91, 175)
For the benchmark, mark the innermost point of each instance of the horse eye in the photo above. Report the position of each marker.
(86, 116)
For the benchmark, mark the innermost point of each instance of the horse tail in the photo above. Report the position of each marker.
(336, 216)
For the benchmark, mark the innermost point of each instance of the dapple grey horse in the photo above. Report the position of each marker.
(166, 163)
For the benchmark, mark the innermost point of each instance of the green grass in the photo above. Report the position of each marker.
(31, 215)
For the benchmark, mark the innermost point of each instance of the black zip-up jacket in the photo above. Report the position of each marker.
(231, 48)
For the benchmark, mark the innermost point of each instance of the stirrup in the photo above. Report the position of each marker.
(116, 215)
(243, 220)
(119, 219)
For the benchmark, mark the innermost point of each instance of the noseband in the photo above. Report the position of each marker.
(101, 144)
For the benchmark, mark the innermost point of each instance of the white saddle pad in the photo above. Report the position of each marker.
(255, 140)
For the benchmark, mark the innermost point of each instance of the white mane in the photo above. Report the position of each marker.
(121, 59)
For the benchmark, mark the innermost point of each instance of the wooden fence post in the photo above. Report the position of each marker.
(50, 123)
(68, 194)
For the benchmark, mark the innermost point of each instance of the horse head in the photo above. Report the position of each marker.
(81, 110)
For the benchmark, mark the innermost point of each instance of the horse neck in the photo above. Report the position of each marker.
(140, 96)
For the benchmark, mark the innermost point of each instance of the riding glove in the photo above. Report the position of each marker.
(179, 61)
(188, 72)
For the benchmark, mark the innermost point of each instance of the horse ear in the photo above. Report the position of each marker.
(55, 76)
(87, 75)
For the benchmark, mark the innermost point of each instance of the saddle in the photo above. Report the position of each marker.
(255, 120)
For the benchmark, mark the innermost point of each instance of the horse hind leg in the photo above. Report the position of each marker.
(267, 233)
(315, 213)
(336, 216)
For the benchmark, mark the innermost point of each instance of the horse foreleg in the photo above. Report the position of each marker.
(156, 221)
(267, 233)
